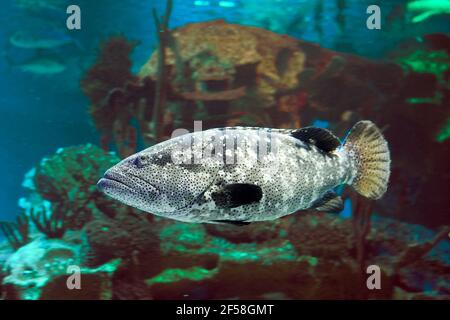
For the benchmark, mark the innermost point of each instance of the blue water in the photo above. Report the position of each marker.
(41, 113)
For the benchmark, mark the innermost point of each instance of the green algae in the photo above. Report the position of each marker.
(421, 61)
(427, 62)
(312, 261)
(175, 275)
(444, 134)
(192, 239)
(424, 9)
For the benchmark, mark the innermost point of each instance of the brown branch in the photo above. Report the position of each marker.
(362, 211)
(17, 234)
(53, 223)
(416, 251)
(163, 35)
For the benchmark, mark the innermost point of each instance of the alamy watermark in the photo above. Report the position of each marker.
(224, 146)
(374, 20)
(73, 282)
(73, 21)
(373, 281)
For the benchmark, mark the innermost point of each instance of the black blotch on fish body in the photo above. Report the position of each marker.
(236, 195)
(321, 138)
(238, 223)
(330, 202)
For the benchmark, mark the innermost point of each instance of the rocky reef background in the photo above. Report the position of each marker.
(225, 75)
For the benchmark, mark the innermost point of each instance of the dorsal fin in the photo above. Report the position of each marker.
(321, 138)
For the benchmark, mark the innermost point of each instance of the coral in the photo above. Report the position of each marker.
(226, 64)
(111, 69)
(39, 270)
(159, 259)
(68, 180)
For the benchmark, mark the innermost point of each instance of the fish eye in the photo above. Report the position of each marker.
(140, 160)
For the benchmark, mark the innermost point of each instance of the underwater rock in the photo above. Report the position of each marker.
(249, 270)
(160, 259)
(106, 240)
(129, 236)
(314, 259)
(321, 234)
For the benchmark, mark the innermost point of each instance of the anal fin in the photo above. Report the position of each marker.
(330, 202)
(239, 223)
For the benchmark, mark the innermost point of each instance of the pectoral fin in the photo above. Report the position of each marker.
(330, 202)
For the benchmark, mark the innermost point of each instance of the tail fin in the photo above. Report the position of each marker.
(369, 151)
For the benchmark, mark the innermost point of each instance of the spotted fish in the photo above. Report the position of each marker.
(239, 175)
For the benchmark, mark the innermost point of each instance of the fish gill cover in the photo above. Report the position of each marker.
(278, 64)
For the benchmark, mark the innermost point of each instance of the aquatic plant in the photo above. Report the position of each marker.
(102, 83)
(18, 233)
(54, 222)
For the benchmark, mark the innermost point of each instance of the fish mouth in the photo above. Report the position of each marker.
(112, 180)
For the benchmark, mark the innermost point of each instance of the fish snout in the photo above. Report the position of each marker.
(111, 180)
(102, 184)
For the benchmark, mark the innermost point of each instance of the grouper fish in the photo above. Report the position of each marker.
(239, 175)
